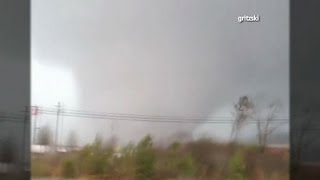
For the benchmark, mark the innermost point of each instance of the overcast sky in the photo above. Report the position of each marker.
(164, 57)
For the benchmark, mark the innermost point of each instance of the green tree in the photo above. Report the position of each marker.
(145, 158)
(94, 159)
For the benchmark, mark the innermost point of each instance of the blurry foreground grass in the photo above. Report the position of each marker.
(201, 159)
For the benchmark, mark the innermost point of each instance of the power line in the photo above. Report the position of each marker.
(134, 115)
(11, 120)
(113, 116)
(145, 117)
(164, 120)
(57, 125)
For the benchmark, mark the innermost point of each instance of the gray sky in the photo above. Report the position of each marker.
(168, 57)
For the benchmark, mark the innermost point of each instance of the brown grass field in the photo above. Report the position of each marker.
(201, 159)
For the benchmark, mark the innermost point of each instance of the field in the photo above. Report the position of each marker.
(201, 159)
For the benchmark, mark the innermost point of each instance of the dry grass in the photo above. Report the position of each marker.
(202, 159)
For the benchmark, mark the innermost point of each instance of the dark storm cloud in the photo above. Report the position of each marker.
(164, 57)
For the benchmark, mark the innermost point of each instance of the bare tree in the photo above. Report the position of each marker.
(242, 112)
(304, 132)
(266, 125)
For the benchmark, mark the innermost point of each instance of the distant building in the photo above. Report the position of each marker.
(40, 149)
(278, 149)
(43, 149)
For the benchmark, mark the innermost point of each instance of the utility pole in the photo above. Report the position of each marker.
(34, 129)
(57, 127)
(61, 132)
(35, 113)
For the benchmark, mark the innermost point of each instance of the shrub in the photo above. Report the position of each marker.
(94, 159)
(197, 159)
(238, 169)
(124, 165)
(145, 158)
(69, 169)
(40, 167)
(204, 153)
(187, 166)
